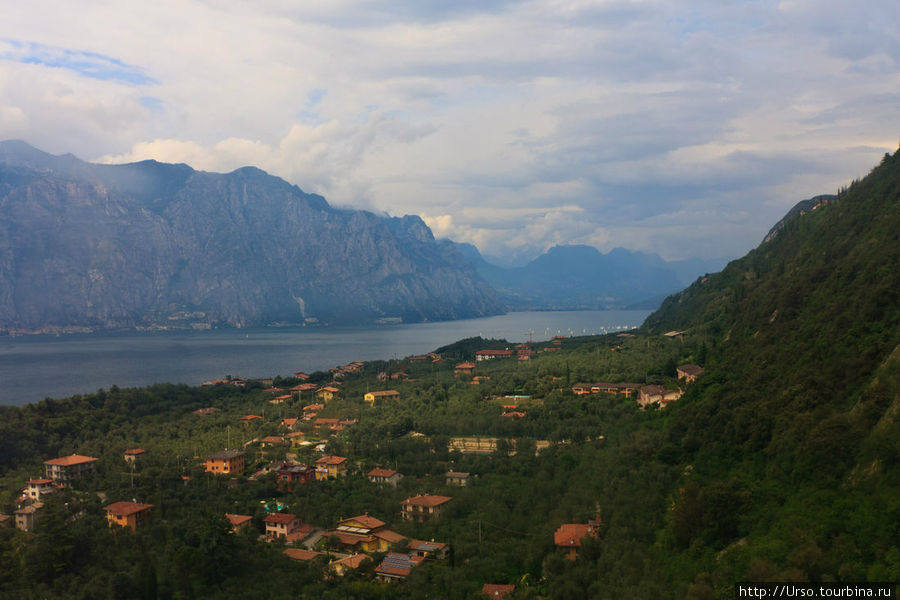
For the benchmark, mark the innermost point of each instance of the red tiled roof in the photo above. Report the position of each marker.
(365, 521)
(301, 554)
(381, 472)
(66, 461)
(249, 417)
(281, 518)
(39, 481)
(426, 500)
(123, 509)
(392, 537)
(497, 590)
(353, 561)
(135, 452)
(331, 460)
(569, 535)
(237, 520)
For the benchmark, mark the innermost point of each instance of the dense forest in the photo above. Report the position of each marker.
(780, 463)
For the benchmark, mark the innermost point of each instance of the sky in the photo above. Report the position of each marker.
(684, 128)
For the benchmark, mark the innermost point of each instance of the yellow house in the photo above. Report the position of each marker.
(225, 462)
(365, 534)
(331, 467)
(327, 393)
(372, 397)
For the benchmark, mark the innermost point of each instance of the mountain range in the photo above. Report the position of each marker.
(86, 246)
(581, 277)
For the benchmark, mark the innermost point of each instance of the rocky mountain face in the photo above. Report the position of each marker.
(85, 246)
(581, 277)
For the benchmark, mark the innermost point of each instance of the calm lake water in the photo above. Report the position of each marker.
(37, 367)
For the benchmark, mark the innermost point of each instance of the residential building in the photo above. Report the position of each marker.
(283, 525)
(327, 393)
(464, 368)
(238, 522)
(423, 506)
(482, 355)
(27, 516)
(225, 462)
(457, 478)
(349, 563)
(295, 472)
(36, 489)
(387, 476)
(301, 554)
(380, 396)
(133, 454)
(569, 535)
(657, 394)
(689, 373)
(128, 514)
(432, 549)
(70, 467)
(331, 467)
(396, 566)
(364, 533)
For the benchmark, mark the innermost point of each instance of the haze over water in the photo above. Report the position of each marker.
(36, 367)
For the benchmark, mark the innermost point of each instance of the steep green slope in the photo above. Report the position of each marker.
(791, 436)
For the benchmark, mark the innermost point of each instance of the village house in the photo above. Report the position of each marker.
(285, 525)
(327, 393)
(384, 476)
(295, 472)
(289, 422)
(396, 567)
(372, 397)
(657, 394)
(70, 467)
(422, 507)
(133, 454)
(27, 516)
(432, 549)
(331, 467)
(457, 478)
(473, 445)
(271, 441)
(689, 373)
(497, 591)
(569, 535)
(304, 387)
(128, 514)
(238, 522)
(483, 355)
(36, 489)
(342, 566)
(301, 554)
(301, 375)
(225, 462)
(249, 418)
(281, 399)
(364, 533)
(297, 439)
(464, 368)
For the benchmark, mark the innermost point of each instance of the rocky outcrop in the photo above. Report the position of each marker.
(159, 245)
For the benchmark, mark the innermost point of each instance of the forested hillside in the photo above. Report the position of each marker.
(793, 433)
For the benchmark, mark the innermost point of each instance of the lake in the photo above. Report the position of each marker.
(36, 367)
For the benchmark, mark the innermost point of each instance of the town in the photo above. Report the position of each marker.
(409, 444)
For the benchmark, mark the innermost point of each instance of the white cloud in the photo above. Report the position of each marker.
(676, 127)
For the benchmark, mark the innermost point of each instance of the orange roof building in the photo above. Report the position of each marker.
(423, 506)
(69, 467)
(331, 467)
(497, 590)
(128, 514)
(225, 462)
(238, 522)
(569, 535)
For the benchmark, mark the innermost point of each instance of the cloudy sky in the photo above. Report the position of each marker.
(685, 128)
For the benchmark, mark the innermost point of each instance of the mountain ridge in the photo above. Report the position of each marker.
(144, 244)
